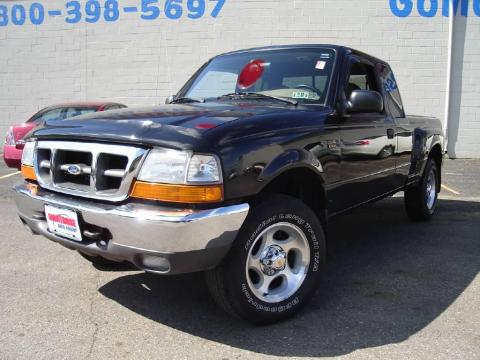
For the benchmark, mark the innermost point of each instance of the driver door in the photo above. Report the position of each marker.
(367, 143)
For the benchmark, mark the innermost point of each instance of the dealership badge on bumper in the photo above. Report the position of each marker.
(63, 222)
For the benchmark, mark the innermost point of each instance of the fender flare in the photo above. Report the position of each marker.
(290, 160)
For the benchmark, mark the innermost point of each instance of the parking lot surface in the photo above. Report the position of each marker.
(392, 290)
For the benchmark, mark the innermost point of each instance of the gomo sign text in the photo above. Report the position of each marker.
(432, 8)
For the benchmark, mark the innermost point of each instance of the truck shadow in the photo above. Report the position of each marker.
(388, 279)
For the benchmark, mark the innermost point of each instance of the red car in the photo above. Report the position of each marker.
(14, 143)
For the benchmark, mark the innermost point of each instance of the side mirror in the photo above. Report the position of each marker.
(169, 99)
(365, 101)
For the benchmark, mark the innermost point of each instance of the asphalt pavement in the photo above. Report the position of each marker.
(393, 289)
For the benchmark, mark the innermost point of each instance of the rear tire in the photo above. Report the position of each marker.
(273, 267)
(421, 200)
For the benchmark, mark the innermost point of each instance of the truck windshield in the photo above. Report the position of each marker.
(302, 75)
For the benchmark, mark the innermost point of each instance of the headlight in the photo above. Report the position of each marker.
(179, 176)
(164, 166)
(27, 154)
(180, 167)
(203, 169)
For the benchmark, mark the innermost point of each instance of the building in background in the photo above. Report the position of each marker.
(139, 52)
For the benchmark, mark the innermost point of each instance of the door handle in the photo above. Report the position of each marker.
(390, 133)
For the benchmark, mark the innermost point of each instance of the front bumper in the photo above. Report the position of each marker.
(154, 238)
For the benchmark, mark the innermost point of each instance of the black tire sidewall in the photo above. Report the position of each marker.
(275, 210)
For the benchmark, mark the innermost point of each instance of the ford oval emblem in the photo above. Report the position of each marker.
(74, 170)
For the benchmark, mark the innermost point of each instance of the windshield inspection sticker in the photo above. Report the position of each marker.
(301, 95)
(320, 65)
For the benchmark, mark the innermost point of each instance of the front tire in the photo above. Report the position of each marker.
(273, 267)
(421, 200)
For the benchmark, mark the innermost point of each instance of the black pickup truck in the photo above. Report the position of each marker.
(237, 175)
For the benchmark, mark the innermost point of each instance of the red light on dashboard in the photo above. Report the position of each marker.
(250, 74)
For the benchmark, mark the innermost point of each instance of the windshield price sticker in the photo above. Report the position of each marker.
(320, 65)
(93, 11)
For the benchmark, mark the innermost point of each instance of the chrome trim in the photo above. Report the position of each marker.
(117, 173)
(272, 274)
(135, 157)
(431, 190)
(45, 164)
(137, 229)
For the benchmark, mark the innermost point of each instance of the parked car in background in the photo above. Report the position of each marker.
(14, 143)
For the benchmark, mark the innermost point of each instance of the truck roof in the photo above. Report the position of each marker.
(338, 48)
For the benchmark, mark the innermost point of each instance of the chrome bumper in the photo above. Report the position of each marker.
(154, 238)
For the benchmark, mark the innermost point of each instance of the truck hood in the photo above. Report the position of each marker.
(178, 126)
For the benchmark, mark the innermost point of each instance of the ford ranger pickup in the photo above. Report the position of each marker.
(237, 175)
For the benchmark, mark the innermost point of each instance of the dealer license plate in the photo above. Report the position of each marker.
(63, 222)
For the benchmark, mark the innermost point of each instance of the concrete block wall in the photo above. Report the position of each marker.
(140, 62)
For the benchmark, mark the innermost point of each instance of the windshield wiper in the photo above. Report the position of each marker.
(261, 96)
(183, 100)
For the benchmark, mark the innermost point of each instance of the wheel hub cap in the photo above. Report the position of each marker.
(278, 262)
(431, 190)
(273, 260)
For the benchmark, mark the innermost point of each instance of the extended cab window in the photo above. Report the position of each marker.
(393, 98)
(298, 74)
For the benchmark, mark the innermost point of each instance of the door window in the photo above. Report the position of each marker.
(362, 77)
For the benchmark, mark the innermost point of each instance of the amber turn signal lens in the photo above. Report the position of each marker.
(28, 172)
(192, 194)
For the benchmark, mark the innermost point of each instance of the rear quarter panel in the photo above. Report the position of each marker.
(417, 136)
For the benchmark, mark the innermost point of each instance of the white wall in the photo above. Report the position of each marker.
(138, 62)
(464, 127)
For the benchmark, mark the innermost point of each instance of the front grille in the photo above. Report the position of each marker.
(98, 171)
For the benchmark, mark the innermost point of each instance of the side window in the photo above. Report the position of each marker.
(392, 93)
(74, 111)
(115, 106)
(362, 77)
(54, 114)
(35, 119)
